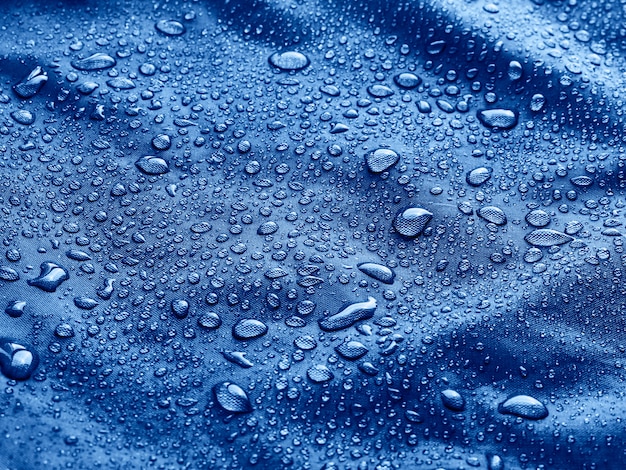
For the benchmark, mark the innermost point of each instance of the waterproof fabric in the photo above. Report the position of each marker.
(314, 234)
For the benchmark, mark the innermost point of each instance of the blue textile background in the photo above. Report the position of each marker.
(312, 235)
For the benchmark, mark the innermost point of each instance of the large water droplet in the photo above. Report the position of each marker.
(17, 361)
(170, 27)
(492, 214)
(407, 80)
(180, 308)
(524, 406)
(538, 218)
(29, 87)
(232, 397)
(352, 350)
(381, 160)
(452, 400)
(289, 60)
(85, 303)
(210, 320)
(498, 118)
(547, 237)
(15, 308)
(97, 61)
(319, 373)
(378, 271)
(152, 165)
(51, 276)
(478, 176)
(349, 316)
(64, 330)
(23, 116)
(8, 274)
(379, 91)
(412, 221)
(249, 328)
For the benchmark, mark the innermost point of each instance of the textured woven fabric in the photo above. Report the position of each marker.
(312, 235)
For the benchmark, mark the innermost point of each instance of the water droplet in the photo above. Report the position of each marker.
(381, 160)
(161, 142)
(407, 80)
(515, 70)
(275, 273)
(51, 277)
(436, 47)
(87, 88)
(573, 227)
(582, 181)
(249, 328)
(17, 361)
(13, 255)
(538, 218)
(106, 292)
(210, 320)
(237, 357)
(498, 118)
(64, 330)
(289, 60)
(15, 308)
(201, 227)
(152, 165)
(170, 27)
(31, 85)
(309, 281)
(424, 107)
(412, 221)
(85, 303)
(479, 176)
(180, 308)
(350, 315)
(537, 102)
(77, 255)
(495, 462)
(352, 350)
(305, 307)
(492, 214)
(524, 406)
(232, 397)
(533, 255)
(121, 83)
(23, 116)
(8, 274)
(379, 91)
(319, 373)
(547, 237)
(368, 368)
(267, 228)
(378, 271)
(97, 61)
(305, 343)
(452, 400)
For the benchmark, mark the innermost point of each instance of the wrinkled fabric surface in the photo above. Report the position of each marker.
(316, 234)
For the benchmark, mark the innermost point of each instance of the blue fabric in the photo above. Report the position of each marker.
(315, 234)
